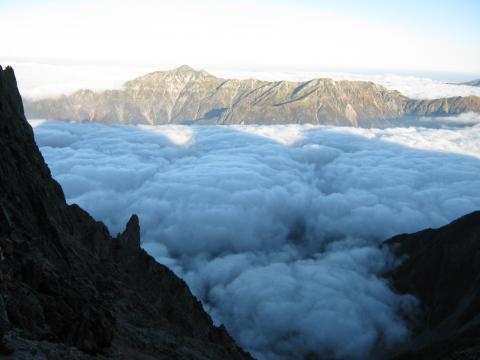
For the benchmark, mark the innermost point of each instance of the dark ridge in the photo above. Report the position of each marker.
(70, 289)
(441, 267)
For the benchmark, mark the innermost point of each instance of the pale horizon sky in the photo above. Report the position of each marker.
(428, 36)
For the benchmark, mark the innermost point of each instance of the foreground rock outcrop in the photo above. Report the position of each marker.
(441, 267)
(184, 95)
(71, 290)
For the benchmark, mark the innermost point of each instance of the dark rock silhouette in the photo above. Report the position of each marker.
(70, 289)
(441, 267)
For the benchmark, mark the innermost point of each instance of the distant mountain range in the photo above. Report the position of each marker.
(184, 95)
(473, 83)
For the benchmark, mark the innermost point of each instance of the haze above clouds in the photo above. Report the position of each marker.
(276, 228)
(369, 34)
(62, 46)
(43, 79)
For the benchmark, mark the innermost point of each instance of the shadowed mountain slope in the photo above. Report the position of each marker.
(73, 291)
(441, 267)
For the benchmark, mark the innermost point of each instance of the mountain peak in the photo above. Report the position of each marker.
(184, 68)
(188, 71)
(182, 74)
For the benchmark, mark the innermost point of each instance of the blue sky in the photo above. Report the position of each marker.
(460, 17)
(411, 35)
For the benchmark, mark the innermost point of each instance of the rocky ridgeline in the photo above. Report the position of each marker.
(473, 83)
(441, 267)
(184, 95)
(71, 290)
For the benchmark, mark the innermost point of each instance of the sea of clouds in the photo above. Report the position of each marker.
(276, 228)
(43, 79)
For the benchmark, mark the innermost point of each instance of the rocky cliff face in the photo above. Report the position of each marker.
(184, 95)
(443, 107)
(441, 267)
(73, 291)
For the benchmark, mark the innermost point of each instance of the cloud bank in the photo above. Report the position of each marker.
(276, 229)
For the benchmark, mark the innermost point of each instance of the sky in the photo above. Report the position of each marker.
(372, 34)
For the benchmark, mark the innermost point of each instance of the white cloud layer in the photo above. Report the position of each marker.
(40, 79)
(275, 228)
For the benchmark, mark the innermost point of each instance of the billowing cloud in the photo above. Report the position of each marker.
(276, 228)
(461, 120)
